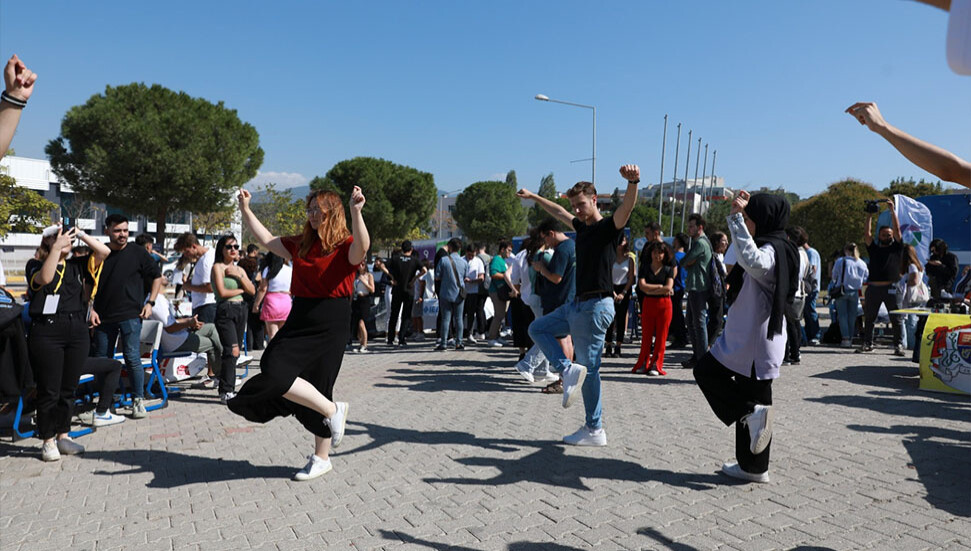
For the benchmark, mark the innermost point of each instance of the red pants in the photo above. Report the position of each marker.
(655, 320)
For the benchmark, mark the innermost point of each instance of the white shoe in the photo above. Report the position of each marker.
(364, 350)
(759, 424)
(733, 470)
(524, 371)
(573, 377)
(653, 372)
(496, 343)
(138, 409)
(48, 451)
(104, 419)
(243, 360)
(472, 340)
(66, 446)
(337, 422)
(550, 377)
(586, 436)
(226, 396)
(314, 468)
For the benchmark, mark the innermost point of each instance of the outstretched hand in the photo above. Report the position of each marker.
(18, 80)
(524, 194)
(867, 113)
(357, 199)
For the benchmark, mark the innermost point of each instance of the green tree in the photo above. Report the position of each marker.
(913, 189)
(715, 216)
(489, 211)
(399, 198)
(511, 180)
(279, 211)
(547, 189)
(836, 216)
(790, 196)
(215, 222)
(151, 151)
(22, 210)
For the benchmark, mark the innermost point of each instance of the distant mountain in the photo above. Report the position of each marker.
(298, 192)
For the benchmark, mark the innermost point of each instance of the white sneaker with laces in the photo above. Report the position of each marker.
(314, 468)
(138, 410)
(551, 377)
(337, 422)
(733, 470)
(759, 424)
(226, 396)
(105, 419)
(573, 377)
(48, 451)
(66, 446)
(364, 350)
(526, 372)
(586, 436)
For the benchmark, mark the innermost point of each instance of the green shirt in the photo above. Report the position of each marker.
(497, 266)
(696, 275)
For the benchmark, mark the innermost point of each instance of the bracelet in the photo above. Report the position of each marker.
(635, 182)
(18, 103)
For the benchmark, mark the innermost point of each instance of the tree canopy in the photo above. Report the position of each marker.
(22, 210)
(836, 216)
(279, 211)
(489, 211)
(912, 188)
(547, 189)
(511, 180)
(399, 198)
(150, 150)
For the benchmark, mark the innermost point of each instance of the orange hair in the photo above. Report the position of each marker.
(333, 228)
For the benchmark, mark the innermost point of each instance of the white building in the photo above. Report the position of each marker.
(699, 193)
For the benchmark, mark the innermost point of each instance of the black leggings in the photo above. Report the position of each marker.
(620, 316)
(107, 372)
(58, 347)
(230, 324)
(733, 396)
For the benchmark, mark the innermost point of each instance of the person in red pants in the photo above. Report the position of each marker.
(656, 281)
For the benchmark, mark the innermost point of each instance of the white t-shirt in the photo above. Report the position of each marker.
(959, 37)
(281, 282)
(163, 312)
(429, 278)
(476, 268)
(201, 275)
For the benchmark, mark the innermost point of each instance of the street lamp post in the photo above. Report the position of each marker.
(593, 158)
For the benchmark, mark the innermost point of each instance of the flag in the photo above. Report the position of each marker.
(916, 225)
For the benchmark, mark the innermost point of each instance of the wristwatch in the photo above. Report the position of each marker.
(152, 302)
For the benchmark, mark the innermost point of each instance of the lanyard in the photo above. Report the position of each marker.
(60, 280)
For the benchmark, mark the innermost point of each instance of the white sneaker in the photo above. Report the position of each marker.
(653, 372)
(472, 340)
(48, 451)
(733, 470)
(524, 371)
(759, 424)
(364, 350)
(586, 436)
(105, 419)
(550, 377)
(573, 377)
(314, 468)
(138, 409)
(496, 343)
(66, 446)
(337, 422)
(243, 360)
(226, 396)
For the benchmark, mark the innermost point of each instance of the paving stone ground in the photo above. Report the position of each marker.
(451, 450)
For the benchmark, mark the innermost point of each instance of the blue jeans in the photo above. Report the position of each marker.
(910, 330)
(811, 318)
(698, 322)
(105, 336)
(847, 310)
(587, 322)
(449, 310)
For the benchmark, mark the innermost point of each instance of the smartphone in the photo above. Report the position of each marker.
(66, 225)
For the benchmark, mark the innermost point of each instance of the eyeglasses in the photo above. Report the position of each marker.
(314, 212)
(228, 247)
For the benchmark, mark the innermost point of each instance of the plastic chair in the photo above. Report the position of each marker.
(150, 338)
(18, 416)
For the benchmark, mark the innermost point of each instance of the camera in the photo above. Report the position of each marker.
(872, 206)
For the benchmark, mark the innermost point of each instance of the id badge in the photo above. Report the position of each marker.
(50, 304)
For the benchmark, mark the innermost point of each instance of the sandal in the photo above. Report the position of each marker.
(553, 388)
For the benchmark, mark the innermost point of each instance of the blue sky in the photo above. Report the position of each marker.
(447, 87)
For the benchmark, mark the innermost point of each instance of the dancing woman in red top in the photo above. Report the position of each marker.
(300, 365)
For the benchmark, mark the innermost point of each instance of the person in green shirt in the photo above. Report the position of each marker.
(697, 285)
(500, 290)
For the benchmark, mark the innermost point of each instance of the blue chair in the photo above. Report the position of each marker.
(150, 338)
(18, 416)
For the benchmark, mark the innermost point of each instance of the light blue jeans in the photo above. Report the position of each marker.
(910, 330)
(105, 336)
(847, 310)
(587, 322)
(451, 309)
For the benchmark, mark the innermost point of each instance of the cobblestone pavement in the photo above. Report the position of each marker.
(451, 450)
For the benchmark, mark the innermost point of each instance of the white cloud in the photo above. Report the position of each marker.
(283, 180)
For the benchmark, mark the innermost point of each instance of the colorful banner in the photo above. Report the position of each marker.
(945, 354)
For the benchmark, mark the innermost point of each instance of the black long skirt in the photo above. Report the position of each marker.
(310, 346)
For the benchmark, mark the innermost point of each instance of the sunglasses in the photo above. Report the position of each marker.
(229, 247)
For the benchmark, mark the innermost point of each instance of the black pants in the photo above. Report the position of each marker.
(230, 324)
(793, 332)
(255, 328)
(107, 372)
(733, 396)
(716, 317)
(475, 318)
(399, 299)
(58, 346)
(618, 326)
(678, 331)
(874, 297)
(206, 313)
(522, 316)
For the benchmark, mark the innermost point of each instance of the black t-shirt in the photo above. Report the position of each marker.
(402, 268)
(68, 282)
(125, 282)
(885, 261)
(648, 275)
(596, 253)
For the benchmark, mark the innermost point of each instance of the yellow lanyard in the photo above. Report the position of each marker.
(60, 280)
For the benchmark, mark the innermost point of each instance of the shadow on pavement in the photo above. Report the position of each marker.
(515, 546)
(467, 376)
(942, 459)
(900, 377)
(175, 469)
(391, 435)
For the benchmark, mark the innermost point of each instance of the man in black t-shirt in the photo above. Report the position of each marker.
(885, 258)
(587, 316)
(402, 268)
(128, 276)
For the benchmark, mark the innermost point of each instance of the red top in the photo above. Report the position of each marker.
(319, 275)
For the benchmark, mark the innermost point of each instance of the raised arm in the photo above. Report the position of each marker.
(49, 268)
(99, 250)
(18, 83)
(868, 236)
(631, 173)
(554, 209)
(895, 225)
(263, 235)
(362, 240)
(939, 162)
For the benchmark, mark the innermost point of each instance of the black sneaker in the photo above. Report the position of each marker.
(440, 347)
(460, 347)
(864, 349)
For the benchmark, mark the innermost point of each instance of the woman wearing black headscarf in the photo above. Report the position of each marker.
(736, 374)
